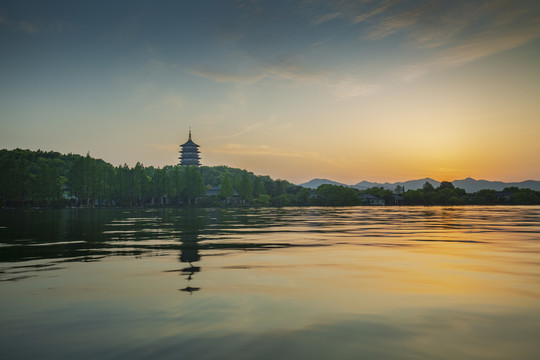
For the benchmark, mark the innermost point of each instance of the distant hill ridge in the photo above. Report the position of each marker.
(470, 185)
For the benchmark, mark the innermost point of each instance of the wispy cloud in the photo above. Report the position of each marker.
(485, 44)
(153, 98)
(27, 26)
(260, 150)
(446, 34)
(245, 130)
(170, 100)
(166, 147)
(32, 27)
(449, 33)
(472, 48)
(378, 9)
(324, 18)
(439, 23)
(395, 23)
(287, 69)
(355, 10)
(19, 25)
(224, 76)
(251, 6)
(264, 150)
(291, 70)
(349, 89)
(297, 73)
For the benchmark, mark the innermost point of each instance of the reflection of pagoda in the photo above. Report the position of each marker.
(190, 224)
(189, 155)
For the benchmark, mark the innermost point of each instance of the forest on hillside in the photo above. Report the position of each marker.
(38, 178)
(50, 179)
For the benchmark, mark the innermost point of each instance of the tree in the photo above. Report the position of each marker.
(427, 186)
(77, 179)
(245, 188)
(382, 193)
(176, 178)
(226, 190)
(193, 184)
(162, 185)
(140, 183)
(445, 185)
(337, 195)
(258, 187)
(262, 200)
(485, 197)
(302, 197)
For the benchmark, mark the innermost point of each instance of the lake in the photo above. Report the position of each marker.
(271, 283)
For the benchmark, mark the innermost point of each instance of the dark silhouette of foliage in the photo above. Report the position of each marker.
(38, 178)
(226, 190)
(245, 187)
(336, 195)
(193, 184)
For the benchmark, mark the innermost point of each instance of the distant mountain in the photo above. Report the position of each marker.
(472, 185)
(363, 185)
(315, 183)
(408, 185)
(469, 185)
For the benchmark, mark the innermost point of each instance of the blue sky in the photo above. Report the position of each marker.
(347, 90)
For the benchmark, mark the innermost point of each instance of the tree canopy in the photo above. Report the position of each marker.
(38, 178)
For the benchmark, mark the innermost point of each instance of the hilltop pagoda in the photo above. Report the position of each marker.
(189, 154)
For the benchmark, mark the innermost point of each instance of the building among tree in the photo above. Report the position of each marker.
(189, 154)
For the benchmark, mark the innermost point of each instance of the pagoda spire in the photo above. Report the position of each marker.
(189, 133)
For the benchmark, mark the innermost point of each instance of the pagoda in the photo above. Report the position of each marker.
(189, 155)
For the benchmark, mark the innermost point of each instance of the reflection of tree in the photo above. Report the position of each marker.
(190, 222)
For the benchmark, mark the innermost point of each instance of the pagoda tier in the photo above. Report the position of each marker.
(189, 154)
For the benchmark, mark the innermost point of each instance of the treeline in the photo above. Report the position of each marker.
(445, 194)
(38, 178)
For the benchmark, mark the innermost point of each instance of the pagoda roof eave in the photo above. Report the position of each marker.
(189, 143)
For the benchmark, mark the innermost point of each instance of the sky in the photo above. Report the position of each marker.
(347, 90)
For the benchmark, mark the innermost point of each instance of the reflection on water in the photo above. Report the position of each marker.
(345, 283)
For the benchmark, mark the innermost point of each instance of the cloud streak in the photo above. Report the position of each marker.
(224, 76)
(32, 27)
(260, 150)
(447, 34)
(473, 48)
(247, 129)
(476, 29)
(340, 86)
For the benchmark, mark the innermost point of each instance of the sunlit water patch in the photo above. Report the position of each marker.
(341, 283)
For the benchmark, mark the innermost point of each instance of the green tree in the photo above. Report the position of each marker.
(43, 182)
(77, 179)
(485, 197)
(258, 187)
(162, 185)
(176, 178)
(445, 185)
(226, 190)
(414, 197)
(428, 187)
(140, 183)
(336, 195)
(302, 197)
(193, 184)
(245, 188)
(262, 200)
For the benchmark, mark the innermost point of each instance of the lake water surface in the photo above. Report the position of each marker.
(291, 283)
